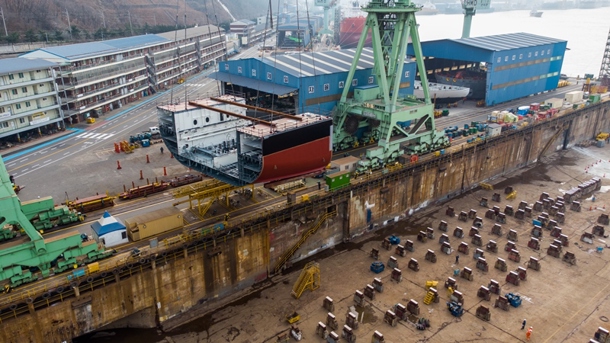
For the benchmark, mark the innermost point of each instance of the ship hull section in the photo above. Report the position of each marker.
(299, 160)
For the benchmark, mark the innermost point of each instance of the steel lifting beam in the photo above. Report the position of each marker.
(210, 108)
(250, 107)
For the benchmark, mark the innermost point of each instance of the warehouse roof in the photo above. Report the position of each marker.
(13, 65)
(319, 63)
(83, 50)
(507, 41)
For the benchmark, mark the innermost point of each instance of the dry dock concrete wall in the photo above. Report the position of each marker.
(194, 277)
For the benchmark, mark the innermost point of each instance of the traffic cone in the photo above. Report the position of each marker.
(147, 159)
(141, 176)
(118, 165)
(164, 172)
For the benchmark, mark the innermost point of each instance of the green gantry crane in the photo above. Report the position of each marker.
(21, 255)
(398, 123)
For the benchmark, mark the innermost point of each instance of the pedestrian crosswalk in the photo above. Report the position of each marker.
(94, 135)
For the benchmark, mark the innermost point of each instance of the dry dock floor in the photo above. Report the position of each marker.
(563, 303)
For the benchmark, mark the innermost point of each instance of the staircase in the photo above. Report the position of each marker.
(288, 254)
(550, 141)
(429, 298)
(309, 278)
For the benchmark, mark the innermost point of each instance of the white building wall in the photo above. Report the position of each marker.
(114, 238)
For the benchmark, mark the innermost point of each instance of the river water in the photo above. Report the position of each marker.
(586, 31)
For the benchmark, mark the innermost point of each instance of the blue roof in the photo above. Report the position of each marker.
(107, 224)
(13, 65)
(507, 41)
(83, 50)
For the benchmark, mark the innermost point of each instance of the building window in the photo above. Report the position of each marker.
(11, 76)
(14, 91)
(285, 78)
(407, 73)
(269, 75)
(18, 106)
(529, 54)
(355, 82)
(341, 84)
(536, 54)
(4, 124)
(239, 70)
(24, 89)
(20, 75)
(514, 57)
(326, 87)
(310, 89)
(548, 52)
(505, 58)
(44, 99)
(253, 72)
(38, 71)
(1, 109)
(124, 235)
(542, 53)
(499, 59)
(371, 79)
(27, 104)
(520, 56)
(226, 66)
(21, 120)
(41, 85)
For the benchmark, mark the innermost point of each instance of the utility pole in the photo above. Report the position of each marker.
(130, 27)
(69, 25)
(3, 22)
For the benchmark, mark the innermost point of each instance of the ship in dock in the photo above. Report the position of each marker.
(350, 28)
(441, 92)
(472, 78)
(230, 141)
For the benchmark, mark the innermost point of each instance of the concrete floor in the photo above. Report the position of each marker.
(563, 303)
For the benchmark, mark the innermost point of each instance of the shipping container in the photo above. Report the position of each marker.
(574, 97)
(345, 164)
(153, 223)
(594, 98)
(554, 102)
(494, 130)
(337, 180)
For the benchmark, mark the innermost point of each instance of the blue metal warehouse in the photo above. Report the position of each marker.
(301, 82)
(513, 65)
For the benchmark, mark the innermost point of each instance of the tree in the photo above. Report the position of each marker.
(43, 36)
(30, 36)
(13, 38)
(76, 33)
(87, 35)
(101, 34)
(58, 36)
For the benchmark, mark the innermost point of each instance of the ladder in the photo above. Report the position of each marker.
(429, 298)
(309, 278)
(288, 254)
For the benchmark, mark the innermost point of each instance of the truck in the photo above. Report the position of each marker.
(554, 103)
(574, 97)
(153, 223)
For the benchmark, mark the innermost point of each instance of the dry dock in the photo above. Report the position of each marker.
(564, 303)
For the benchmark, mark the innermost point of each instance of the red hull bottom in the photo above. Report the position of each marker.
(296, 161)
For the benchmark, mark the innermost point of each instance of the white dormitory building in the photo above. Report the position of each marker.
(67, 84)
(28, 97)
